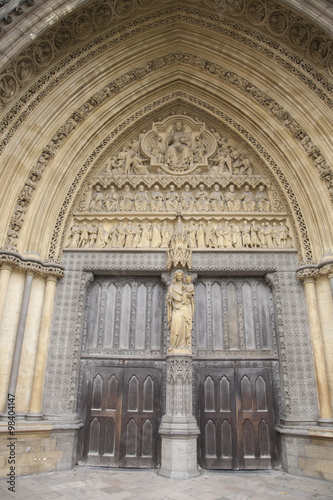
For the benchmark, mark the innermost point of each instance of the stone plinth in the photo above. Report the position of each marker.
(179, 429)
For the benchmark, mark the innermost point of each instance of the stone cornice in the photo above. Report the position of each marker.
(14, 260)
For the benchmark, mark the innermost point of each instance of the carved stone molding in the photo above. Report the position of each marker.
(285, 25)
(16, 261)
(228, 77)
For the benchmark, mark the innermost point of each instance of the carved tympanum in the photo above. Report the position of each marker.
(177, 186)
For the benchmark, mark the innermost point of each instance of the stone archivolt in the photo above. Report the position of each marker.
(95, 17)
(84, 111)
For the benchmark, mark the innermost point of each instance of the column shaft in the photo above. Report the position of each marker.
(42, 349)
(20, 335)
(5, 273)
(318, 348)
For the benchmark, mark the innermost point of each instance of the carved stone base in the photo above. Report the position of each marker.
(179, 447)
(179, 429)
(180, 352)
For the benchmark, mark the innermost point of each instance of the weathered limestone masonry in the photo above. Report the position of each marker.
(166, 235)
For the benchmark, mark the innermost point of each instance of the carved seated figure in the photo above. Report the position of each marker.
(216, 199)
(187, 199)
(178, 150)
(157, 200)
(231, 199)
(97, 200)
(141, 200)
(249, 205)
(172, 200)
(111, 201)
(262, 200)
(202, 203)
(126, 200)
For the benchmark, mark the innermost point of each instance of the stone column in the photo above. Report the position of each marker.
(35, 411)
(179, 429)
(308, 277)
(5, 273)
(20, 335)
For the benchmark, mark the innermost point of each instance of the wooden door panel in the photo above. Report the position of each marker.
(122, 417)
(140, 417)
(256, 407)
(101, 432)
(236, 414)
(217, 419)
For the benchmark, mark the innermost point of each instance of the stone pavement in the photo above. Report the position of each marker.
(119, 484)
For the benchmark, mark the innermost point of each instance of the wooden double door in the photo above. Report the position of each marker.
(122, 413)
(123, 361)
(236, 417)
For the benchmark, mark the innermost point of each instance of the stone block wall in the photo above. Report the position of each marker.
(38, 449)
(309, 456)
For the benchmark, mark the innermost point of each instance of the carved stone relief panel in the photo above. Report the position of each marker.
(181, 170)
(178, 145)
(218, 232)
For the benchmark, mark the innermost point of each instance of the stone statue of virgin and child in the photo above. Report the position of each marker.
(180, 309)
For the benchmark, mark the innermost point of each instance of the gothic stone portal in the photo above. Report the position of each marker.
(123, 372)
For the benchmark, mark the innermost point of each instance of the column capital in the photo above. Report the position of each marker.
(16, 261)
(308, 274)
(326, 270)
(5, 266)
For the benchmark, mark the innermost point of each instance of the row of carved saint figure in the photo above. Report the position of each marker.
(153, 235)
(201, 201)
